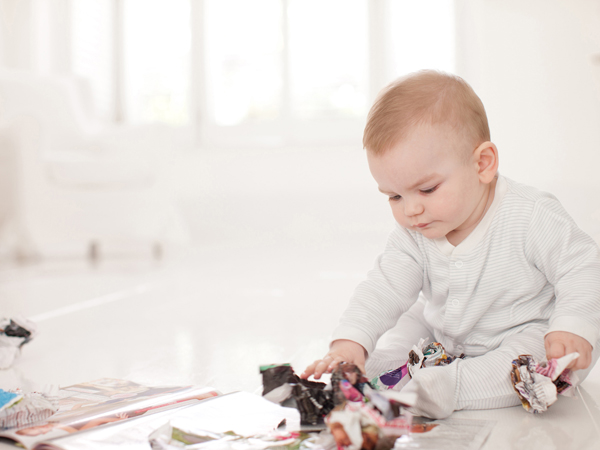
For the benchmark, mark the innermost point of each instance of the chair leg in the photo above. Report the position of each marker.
(157, 251)
(93, 251)
(25, 256)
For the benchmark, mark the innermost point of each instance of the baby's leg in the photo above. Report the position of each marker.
(481, 382)
(393, 347)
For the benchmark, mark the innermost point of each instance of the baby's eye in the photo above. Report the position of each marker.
(395, 197)
(430, 190)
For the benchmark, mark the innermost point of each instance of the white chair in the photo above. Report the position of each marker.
(79, 185)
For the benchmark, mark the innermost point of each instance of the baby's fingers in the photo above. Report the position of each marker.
(326, 365)
(561, 343)
(321, 366)
(335, 361)
(362, 368)
(310, 369)
(584, 360)
(555, 350)
(317, 368)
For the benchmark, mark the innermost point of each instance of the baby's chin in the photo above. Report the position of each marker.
(431, 233)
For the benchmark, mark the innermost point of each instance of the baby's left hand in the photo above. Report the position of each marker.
(561, 343)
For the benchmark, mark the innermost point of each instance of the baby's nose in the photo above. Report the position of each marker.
(412, 208)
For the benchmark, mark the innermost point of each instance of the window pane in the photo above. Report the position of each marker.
(157, 60)
(244, 60)
(422, 35)
(92, 51)
(328, 57)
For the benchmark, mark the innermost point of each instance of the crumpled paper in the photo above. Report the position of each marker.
(421, 356)
(281, 385)
(361, 418)
(30, 408)
(14, 333)
(376, 419)
(8, 398)
(538, 384)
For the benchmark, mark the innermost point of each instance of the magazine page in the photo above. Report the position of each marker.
(96, 403)
(253, 417)
(240, 412)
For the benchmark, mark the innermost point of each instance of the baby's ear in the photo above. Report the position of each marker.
(486, 156)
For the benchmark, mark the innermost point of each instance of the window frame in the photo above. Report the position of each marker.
(201, 131)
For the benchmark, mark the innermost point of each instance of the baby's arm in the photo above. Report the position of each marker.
(561, 343)
(389, 290)
(570, 261)
(341, 350)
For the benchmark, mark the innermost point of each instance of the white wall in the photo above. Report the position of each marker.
(34, 34)
(15, 34)
(534, 64)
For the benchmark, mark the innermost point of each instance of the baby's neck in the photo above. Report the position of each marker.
(457, 236)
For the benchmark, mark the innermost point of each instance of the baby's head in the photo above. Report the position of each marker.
(428, 146)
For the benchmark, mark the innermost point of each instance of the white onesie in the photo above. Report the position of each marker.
(525, 270)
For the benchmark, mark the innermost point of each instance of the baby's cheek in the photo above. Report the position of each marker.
(442, 208)
(454, 208)
(399, 216)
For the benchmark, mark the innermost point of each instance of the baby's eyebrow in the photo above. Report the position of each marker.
(423, 180)
(417, 184)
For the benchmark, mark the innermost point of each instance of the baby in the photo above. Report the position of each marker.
(486, 266)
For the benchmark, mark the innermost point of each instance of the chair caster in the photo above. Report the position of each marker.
(93, 251)
(157, 251)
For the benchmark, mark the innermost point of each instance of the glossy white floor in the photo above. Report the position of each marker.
(264, 283)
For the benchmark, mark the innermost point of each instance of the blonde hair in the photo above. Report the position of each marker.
(427, 96)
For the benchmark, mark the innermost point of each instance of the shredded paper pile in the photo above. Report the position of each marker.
(358, 416)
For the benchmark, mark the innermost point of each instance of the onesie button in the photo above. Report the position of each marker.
(460, 348)
(455, 302)
(458, 264)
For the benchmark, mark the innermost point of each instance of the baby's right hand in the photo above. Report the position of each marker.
(341, 350)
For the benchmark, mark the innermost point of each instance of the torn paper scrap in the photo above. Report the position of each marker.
(281, 385)
(538, 384)
(421, 356)
(27, 409)
(14, 333)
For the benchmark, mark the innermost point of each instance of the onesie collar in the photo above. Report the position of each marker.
(477, 234)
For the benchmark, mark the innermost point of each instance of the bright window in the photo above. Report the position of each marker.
(156, 61)
(266, 70)
(269, 59)
(244, 60)
(328, 57)
(422, 35)
(91, 51)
